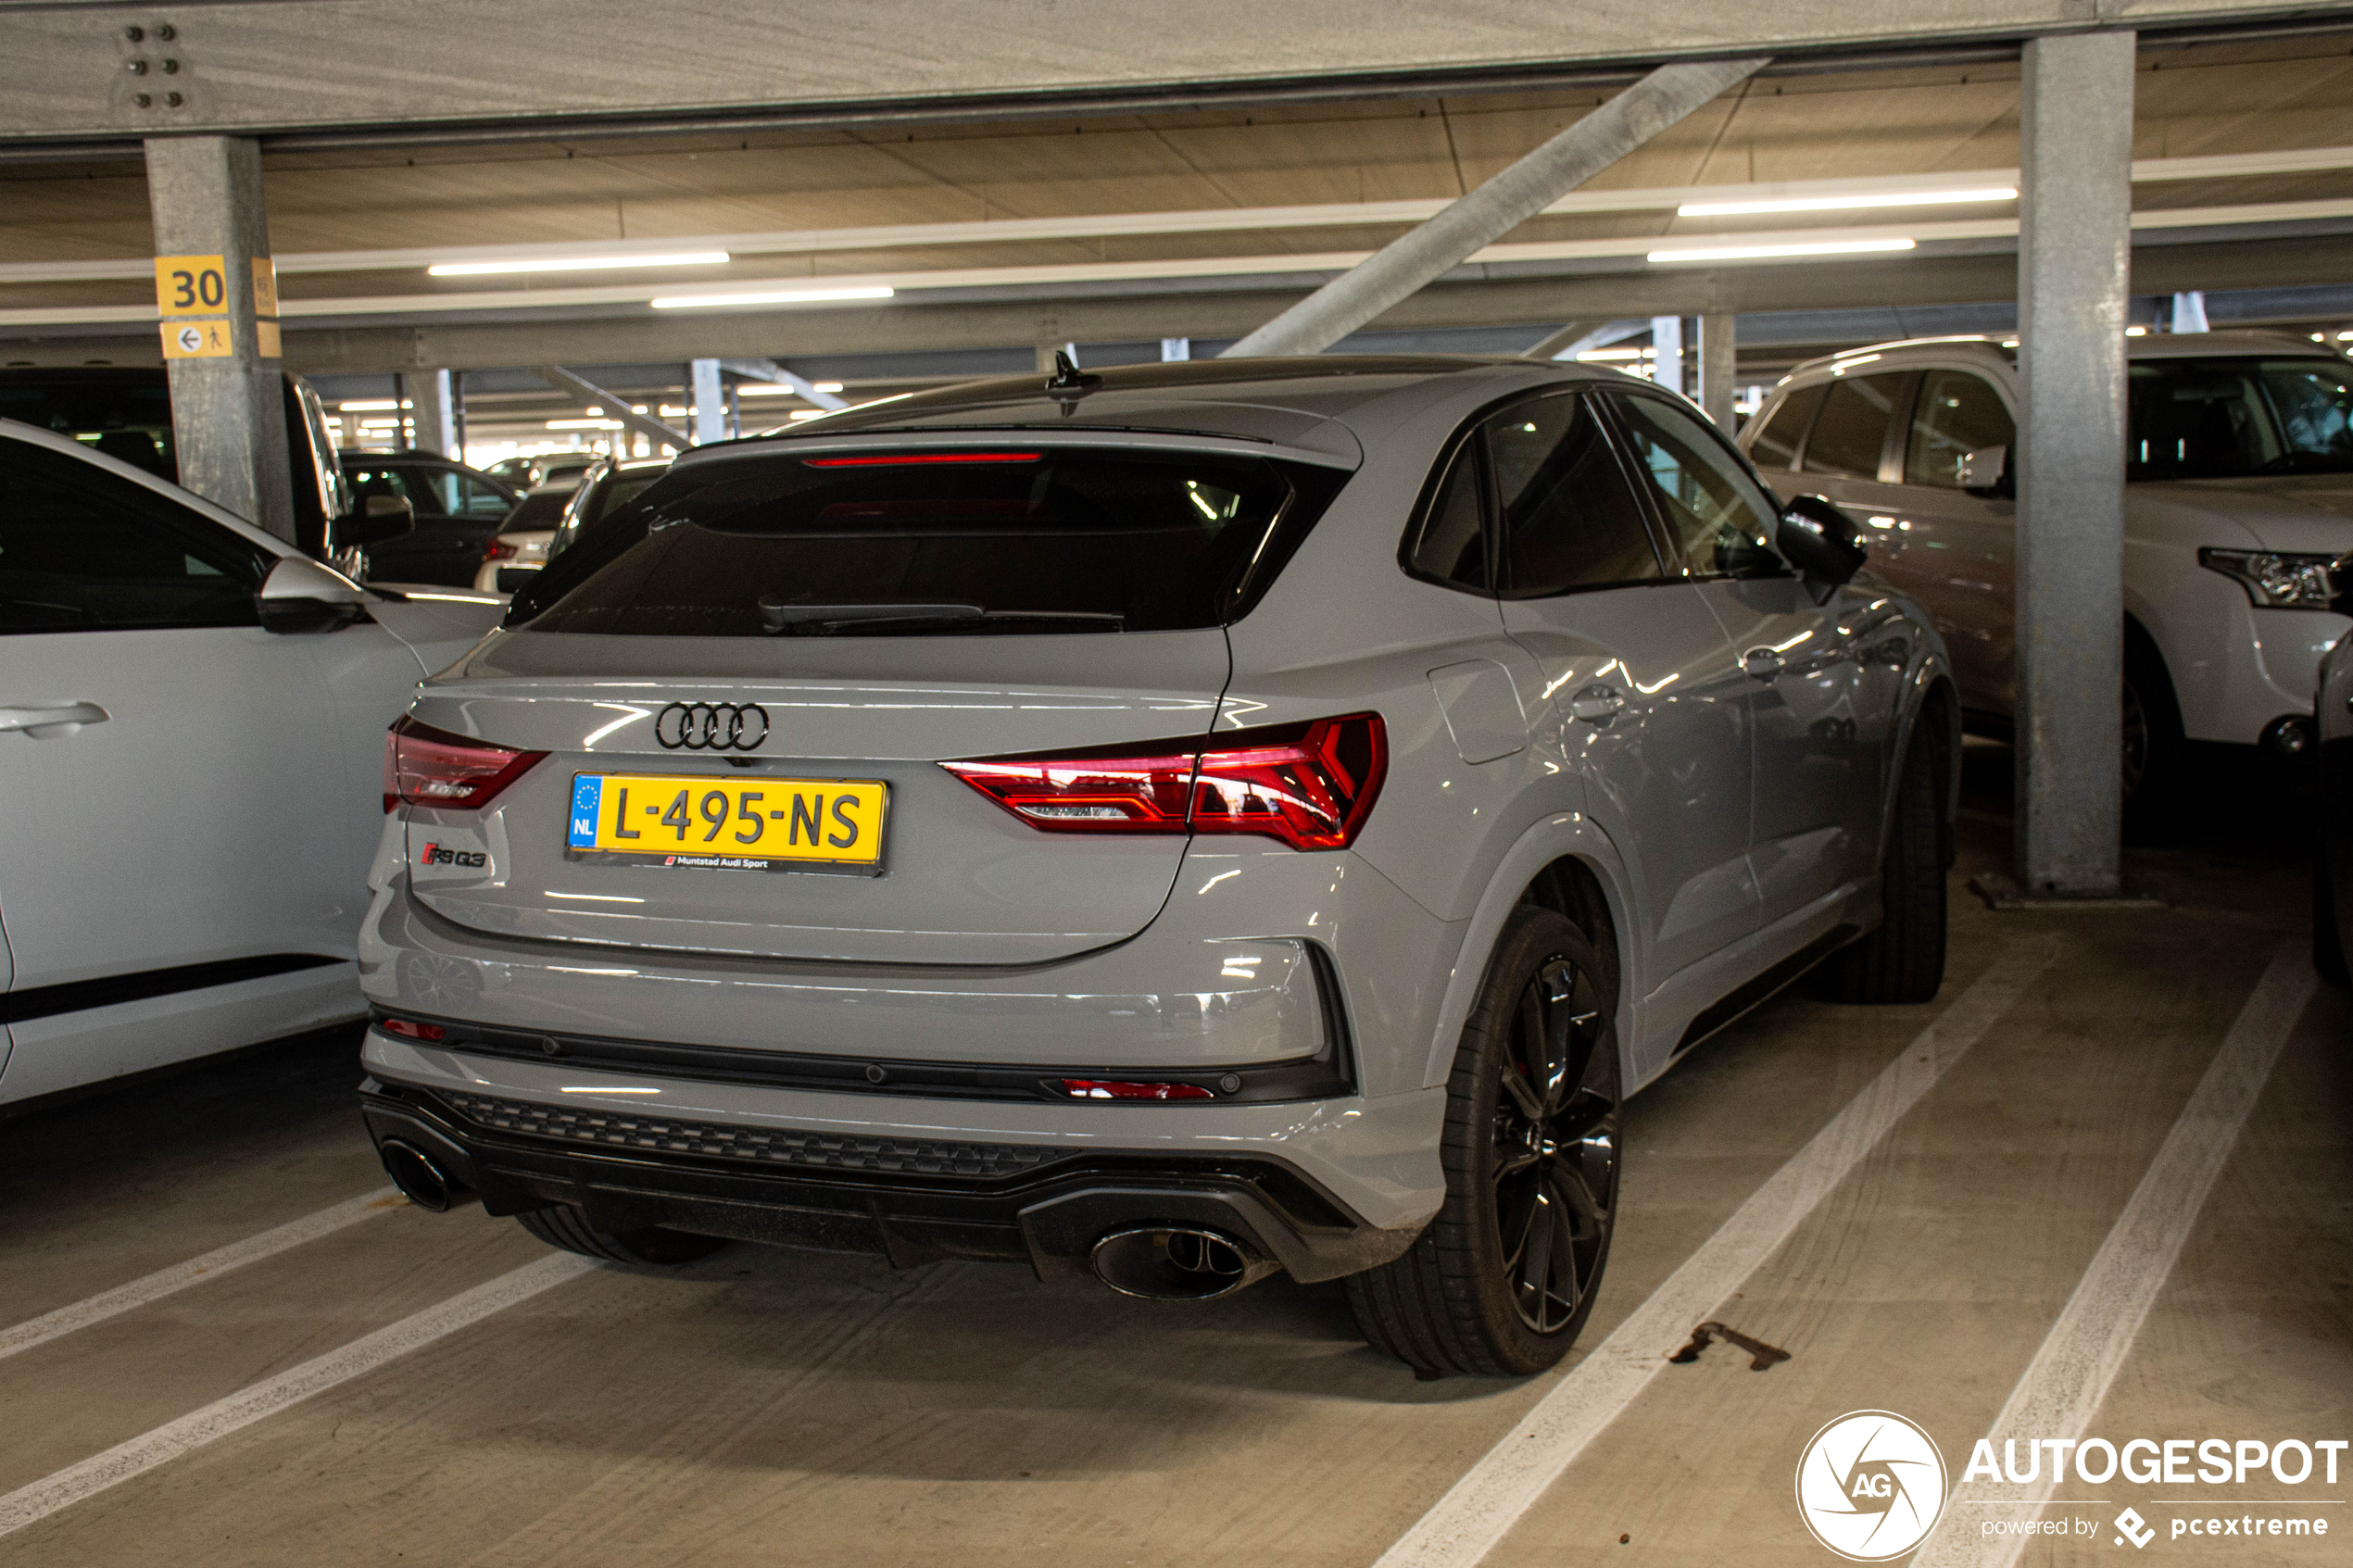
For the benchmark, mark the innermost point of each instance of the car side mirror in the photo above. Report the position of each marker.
(1987, 470)
(300, 594)
(1821, 542)
(382, 517)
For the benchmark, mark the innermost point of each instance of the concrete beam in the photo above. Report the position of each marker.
(1717, 368)
(709, 398)
(436, 412)
(769, 371)
(2074, 279)
(1666, 357)
(228, 411)
(518, 70)
(1414, 259)
(1520, 298)
(593, 396)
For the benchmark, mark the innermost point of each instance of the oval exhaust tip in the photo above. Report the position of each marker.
(1176, 1263)
(417, 1177)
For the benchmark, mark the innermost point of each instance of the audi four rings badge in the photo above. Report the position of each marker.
(711, 726)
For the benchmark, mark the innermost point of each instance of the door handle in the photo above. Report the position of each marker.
(1761, 663)
(47, 718)
(1596, 704)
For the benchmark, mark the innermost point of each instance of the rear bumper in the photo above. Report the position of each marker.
(911, 1197)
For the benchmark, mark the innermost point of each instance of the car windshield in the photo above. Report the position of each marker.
(883, 543)
(2229, 419)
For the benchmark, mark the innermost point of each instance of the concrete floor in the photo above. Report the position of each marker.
(762, 1406)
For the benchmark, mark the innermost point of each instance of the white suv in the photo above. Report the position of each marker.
(2240, 467)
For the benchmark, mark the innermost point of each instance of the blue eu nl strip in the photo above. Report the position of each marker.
(587, 799)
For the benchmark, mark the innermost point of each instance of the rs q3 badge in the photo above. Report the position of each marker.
(711, 726)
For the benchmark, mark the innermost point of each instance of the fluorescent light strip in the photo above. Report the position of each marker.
(1849, 204)
(585, 425)
(781, 296)
(2229, 166)
(577, 263)
(1768, 253)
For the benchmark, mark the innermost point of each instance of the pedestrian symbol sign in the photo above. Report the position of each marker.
(197, 340)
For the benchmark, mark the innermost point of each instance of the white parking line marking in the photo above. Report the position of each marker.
(2063, 1386)
(179, 1276)
(1476, 1511)
(43, 1498)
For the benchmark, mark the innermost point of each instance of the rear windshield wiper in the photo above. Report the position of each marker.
(806, 620)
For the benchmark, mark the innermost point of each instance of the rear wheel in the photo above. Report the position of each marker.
(1503, 1278)
(566, 1226)
(2154, 747)
(1904, 959)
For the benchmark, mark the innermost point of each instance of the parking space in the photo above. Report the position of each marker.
(1461, 785)
(832, 1409)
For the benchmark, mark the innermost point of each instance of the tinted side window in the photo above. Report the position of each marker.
(1852, 427)
(1776, 445)
(1723, 518)
(1451, 546)
(1958, 413)
(1569, 520)
(84, 551)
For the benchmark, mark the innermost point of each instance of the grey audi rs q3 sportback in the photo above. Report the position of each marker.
(1178, 825)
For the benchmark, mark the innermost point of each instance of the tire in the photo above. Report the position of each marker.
(1503, 1279)
(2154, 747)
(1904, 959)
(2328, 940)
(567, 1227)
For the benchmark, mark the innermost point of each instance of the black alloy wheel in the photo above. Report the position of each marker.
(1505, 1276)
(1555, 1160)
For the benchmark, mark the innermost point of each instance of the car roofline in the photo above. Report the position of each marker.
(2219, 342)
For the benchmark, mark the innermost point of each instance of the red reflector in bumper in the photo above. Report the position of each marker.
(1098, 1088)
(409, 1031)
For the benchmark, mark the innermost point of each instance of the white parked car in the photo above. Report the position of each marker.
(192, 721)
(526, 540)
(2239, 468)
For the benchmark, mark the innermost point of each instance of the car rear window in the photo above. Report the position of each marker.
(1005, 539)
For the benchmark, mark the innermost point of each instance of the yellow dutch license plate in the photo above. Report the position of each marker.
(755, 823)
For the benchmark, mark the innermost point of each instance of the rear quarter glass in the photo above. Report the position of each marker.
(1148, 540)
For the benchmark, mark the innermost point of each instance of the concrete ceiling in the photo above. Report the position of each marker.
(2216, 99)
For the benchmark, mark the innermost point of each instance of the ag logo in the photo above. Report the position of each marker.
(1871, 1485)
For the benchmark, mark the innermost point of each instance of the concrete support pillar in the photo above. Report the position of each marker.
(2189, 311)
(2074, 262)
(709, 398)
(1716, 369)
(1666, 344)
(228, 407)
(1173, 349)
(435, 413)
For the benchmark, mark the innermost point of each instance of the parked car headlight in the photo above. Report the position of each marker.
(2275, 578)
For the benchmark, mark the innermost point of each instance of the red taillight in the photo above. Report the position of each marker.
(1098, 1089)
(915, 460)
(409, 1031)
(497, 549)
(428, 767)
(1310, 784)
